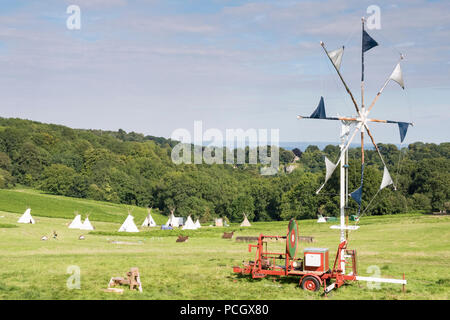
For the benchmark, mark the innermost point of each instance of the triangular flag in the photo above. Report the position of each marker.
(387, 180)
(319, 113)
(330, 166)
(403, 128)
(336, 57)
(356, 195)
(368, 42)
(397, 76)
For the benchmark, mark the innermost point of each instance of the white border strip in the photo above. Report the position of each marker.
(371, 279)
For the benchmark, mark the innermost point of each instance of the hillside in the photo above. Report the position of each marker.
(133, 169)
(52, 206)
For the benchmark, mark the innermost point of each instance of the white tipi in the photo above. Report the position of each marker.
(26, 217)
(149, 222)
(174, 221)
(245, 223)
(129, 225)
(189, 225)
(76, 222)
(321, 219)
(86, 225)
(197, 224)
(170, 221)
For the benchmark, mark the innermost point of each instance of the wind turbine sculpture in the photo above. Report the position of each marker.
(360, 123)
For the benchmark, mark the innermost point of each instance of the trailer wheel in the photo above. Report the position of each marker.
(310, 283)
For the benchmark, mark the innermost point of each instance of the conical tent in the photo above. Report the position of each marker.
(87, 225)
(174, 221)
(245, 223)
(76, 222)
(26, 217)
(128, 225)
(219, 222)
(149, 222)
(171, 221)
(197, 224)
(321, 219)
(189, 225)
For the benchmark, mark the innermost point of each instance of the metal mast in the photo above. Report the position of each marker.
(360, 122)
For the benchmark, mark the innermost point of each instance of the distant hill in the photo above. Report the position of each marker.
(134, 169)
(52, 206)
(302, 145)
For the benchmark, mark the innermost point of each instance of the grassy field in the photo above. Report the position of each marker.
(418, 245)
(46, 205)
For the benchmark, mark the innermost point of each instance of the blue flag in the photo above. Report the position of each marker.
(368, 42)
(319, 113)
(356, 195)
(403, 127)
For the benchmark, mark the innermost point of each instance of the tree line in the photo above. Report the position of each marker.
(131, 168)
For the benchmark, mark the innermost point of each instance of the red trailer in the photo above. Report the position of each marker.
(311, 268)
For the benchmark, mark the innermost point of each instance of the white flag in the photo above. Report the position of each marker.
(330, 166)
(387, 180)
(336, 57)
(397, 76)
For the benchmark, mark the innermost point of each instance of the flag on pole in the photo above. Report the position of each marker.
(336, 57)
(368, 42)
(356, 195)
(330, 166)
(387, 180)
(397, 76)
(319, 113)
(403, 128)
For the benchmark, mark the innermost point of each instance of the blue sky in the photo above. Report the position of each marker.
(154, 66)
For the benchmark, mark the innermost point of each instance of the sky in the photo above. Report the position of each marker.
(154, 66)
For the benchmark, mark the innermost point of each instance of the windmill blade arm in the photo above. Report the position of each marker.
(377, 96)
(374, 144)
(390, 121)
(378, 150)
(385, 84)
(342, 79)
(329, 118)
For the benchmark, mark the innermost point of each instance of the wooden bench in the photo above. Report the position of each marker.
(133, 280)
(251, 239)
(305, 239)
(246, 239)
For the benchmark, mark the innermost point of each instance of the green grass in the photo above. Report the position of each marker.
(7, 225)
(201, 268)
(46, 205)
